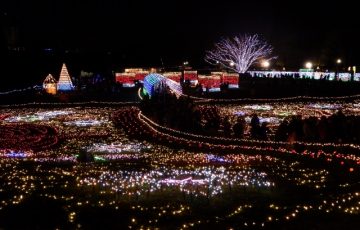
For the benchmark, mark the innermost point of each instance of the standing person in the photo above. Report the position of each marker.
(255, 126)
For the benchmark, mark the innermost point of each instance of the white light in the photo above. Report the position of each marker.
(308, 65)
(265, 64)
(244, 50)
(338, 61)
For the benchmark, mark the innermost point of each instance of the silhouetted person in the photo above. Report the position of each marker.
(263, 131)
(227, 127)
(239, 127)
(282, 131)
(255, 126)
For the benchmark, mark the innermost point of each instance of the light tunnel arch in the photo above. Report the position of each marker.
(154, 79)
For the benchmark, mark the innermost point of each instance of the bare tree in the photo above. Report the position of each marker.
(239, 53)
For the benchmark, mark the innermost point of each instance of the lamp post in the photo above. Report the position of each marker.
(338, 63)
(308, 65)
(265, 64)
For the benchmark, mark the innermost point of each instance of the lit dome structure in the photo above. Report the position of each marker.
(154, 82)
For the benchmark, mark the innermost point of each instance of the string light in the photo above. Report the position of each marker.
(36, 87)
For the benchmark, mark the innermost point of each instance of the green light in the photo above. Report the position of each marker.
(97, 158)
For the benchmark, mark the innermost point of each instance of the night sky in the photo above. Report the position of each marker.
(108, 35)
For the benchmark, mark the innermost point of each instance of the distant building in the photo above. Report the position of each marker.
(175, 76)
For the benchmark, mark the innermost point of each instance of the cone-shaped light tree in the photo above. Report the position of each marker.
(240, 52)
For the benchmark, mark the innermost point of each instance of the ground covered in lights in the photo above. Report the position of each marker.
(71, 168)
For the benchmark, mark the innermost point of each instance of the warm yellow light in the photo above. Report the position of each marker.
(338, 61)
(308, 65)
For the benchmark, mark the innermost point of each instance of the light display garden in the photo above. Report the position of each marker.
(119, 164)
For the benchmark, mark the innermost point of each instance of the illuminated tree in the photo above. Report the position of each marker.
(239, 53)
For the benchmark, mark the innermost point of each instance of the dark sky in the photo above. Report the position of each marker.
(141, 32)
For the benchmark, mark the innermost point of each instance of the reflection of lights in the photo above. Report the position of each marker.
(52, 114)
(116, 148)
(14, 154)
(203, 181)
(214, 158)
(97, 158)
(239, 113)
(258, 107)
(325, 106)
(284, 113)
(269, 120)
(82, 123)
(40, 116)
(187, 180)
(26, 118)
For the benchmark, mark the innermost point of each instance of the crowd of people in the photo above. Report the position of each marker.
(336, 128)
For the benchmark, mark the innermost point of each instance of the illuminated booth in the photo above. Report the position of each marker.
(49, 84)
(232, 79)
(214, 82)
(203, 81)
(192, 76)
(175, 76)
(126, 79)
(130, 76)
(140, 76)
(210, 83)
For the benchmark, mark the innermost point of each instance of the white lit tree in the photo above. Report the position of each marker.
(239, 53)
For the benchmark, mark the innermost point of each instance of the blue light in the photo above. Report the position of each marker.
(65, 87)
(152, 80)
(214, 158)
(240, 113)
(16, 154)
